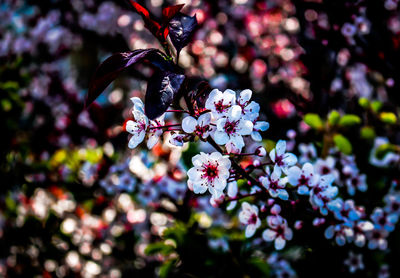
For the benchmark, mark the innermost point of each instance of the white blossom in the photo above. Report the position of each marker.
(211, 172)
(249, 216)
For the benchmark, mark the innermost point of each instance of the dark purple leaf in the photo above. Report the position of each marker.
(112, 67)
(162, 88)
(198, 92)
(181, 29)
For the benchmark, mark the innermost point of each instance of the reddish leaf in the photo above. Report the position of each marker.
(112, 67)
(150, 24)
(169, 12)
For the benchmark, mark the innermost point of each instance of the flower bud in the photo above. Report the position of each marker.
(260, 151)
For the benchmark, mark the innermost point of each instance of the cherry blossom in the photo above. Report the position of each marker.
(259, 126)
(279, 156)
(322, 193)
(200, 127)
(278, 231)
(303, 178)
(354, 262)
(137, 128)
(155, 131)
(275, 184)
(308, 152)
(230, 129)
(249, 216)
(211, 172)
(220, 102)
(357, 181)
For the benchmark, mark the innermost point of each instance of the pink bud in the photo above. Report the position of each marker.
(260, 151)
(298, 224)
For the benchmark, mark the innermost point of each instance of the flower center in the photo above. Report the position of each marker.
(230, 127)
(303, 180)
(325, 170)
(200, 130)
(220, 107)
(210, 172)
(253, 219)
(273, 184)
(279, 160)
(280, 231)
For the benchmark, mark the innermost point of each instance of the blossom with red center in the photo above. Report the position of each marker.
(326, 166)
(249, 216)
(281, 158)
(322, 193)
(137, 128)
(139, 125)
(200, 127)
(278, 231)
(357, 181)
(220, 102)
(210, 171)
(231, 128)
(275, 184)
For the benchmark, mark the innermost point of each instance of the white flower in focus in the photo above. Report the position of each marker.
(250, 110)
(230, 129)
(249, 216)
(137, 128)
(201, 126)
(281, 158)
(220, 102)
(137, 104)
(211, 172)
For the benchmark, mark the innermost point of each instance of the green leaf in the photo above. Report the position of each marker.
(388, 117)
(261, 265)
(376, 106)
(158, 247)
(333, 117)
(383, 150)
(349, 120)
(368, 133)
(166, 268)
(268, 145)
(6, 105)
(363, 102)
(313, 120)
(342, 143)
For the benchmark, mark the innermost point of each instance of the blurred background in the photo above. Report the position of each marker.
(76, 202)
